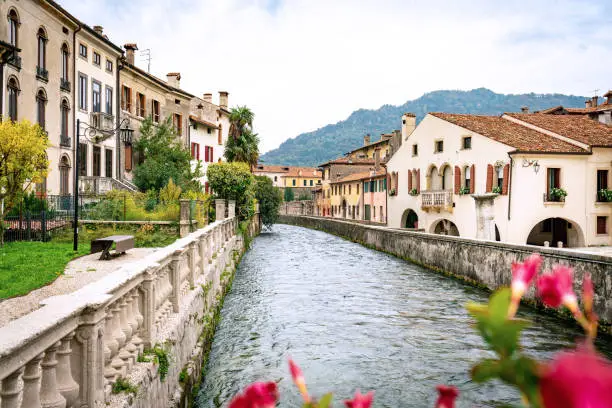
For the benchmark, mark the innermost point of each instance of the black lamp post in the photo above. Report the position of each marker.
(95, 135)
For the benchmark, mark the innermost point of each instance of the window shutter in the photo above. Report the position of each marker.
(389, 182)
(473, 179)
(409, 180)
(489, 178)
(198, 152)
(457, 179)
(192, 150)
(128, 157)
(418, 180)
(506, 179)
(211, 154)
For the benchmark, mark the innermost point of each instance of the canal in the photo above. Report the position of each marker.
(353, 318)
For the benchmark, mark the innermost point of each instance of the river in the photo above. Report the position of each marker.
(354, 318)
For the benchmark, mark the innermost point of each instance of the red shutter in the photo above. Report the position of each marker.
(389, 184)
(192, 150)
(206, 187)
(198, 150)
(506, 179)
(409, 181)
(206, 153)
(473, 179)
(457, 179)
(396, 176)
(418, 180)
(211, 153)
(489, 178)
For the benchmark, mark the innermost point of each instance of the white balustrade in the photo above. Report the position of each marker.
(65, 383)
(50, 396)
(437, 200)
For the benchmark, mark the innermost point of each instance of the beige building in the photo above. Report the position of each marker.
(521, 178)
(37, 80)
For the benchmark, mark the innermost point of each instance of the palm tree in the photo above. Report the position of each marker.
(241, 119)
(243, 144)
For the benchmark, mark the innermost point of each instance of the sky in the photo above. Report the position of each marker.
(303, 64)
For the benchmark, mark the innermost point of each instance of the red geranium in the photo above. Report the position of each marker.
(257, 395)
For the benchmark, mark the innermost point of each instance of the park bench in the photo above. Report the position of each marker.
(122, 244)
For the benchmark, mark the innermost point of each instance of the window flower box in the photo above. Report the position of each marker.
(413, 192)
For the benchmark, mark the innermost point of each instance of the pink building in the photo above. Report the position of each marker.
(375, 196)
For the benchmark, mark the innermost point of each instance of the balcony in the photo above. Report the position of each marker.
(64, 85)
(604, 196)
(42, 74)
(102, 121)
(15, 60)
(65, 141)
(441, 200)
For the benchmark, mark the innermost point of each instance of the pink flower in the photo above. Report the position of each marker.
(446, 396)
(523, 273)
(578, 379)
(257, 395)
(587, 293)
(360, 401)
(556, 289)
(298, 379)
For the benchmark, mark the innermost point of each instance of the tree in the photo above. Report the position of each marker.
(289, 195)
(23, 161)
(269, 199)
(233, 181)
(165, 158)
(243, 144)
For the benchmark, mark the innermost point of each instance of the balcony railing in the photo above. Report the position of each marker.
(15, 60)
(42, 73)
(437, 200)
(102, 121)
(64, 84)
(65, 141)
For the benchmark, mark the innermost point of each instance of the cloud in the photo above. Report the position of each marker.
(301, 64)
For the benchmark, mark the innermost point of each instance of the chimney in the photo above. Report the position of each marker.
(608, 96)
(98, 29)
(408, 124)
(174, 79)
(208, 97)
(587, 103)
(524, 109)
(129, 52)
(223, 99)
(594, 99)
(377, 159)
(366, 140)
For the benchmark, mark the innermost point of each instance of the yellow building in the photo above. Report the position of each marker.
(388, 144)
(347, 196)
(301, 177)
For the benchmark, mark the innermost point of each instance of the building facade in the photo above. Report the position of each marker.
(522, 178)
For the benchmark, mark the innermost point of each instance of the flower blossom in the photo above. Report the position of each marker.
(360, 401)
(522, 275)
(556, 289)
(257, 395)
(577, 379)
(446, 396)
(298, 379)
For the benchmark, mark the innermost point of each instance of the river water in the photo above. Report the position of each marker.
(354, 318)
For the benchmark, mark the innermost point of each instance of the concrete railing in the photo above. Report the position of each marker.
(436, 199)
(70, 351)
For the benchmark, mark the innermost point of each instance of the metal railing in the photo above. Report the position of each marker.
(64, 84)
(42, 73)
(65, 141)
(102, 121)
(442, 199)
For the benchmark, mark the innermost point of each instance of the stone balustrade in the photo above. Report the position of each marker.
(70, 351)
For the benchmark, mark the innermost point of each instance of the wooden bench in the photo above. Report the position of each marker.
(122, 244)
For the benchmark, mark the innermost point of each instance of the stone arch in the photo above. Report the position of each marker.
(42, 32)
(410, 219)
(432, 177)
(444, 227)
(554, 230)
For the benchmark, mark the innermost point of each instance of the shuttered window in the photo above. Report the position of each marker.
(602, 225)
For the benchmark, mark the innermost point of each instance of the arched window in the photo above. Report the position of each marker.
(65, 121)
(41, 101)
(64, 168)
(65, 62)
(13, 22)
(468, 177)
(447, 175)
(13, 93)
(42, 50)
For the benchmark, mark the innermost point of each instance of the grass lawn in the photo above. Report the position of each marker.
(25, 266)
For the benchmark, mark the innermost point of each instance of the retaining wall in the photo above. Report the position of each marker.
(481, 262)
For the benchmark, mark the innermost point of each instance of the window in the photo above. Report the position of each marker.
(415, 150)
(41, 101)
(109, 100)
(65, 62)
(305, 183)
(195, 151)
(553, 180)
(13, 92)
(294, 182)
(140, 105)
(126, 98)
(109, 65)
(64, 168)
(275, 178)
(97, 59)
(467, 142)
(155, 110)
(128, 157)
(602, 225)
(439, 146)
(97, 162)
(13, 27)
(65, 120)
(42, 49)
(82, 159)
(311, 182)
(366, 187)
(602, 184)
(384, 184)
(499, 171)
(82, 92)
(108, 163)
(83, 50)
(96, 96)
(177, 121)
(467, 170)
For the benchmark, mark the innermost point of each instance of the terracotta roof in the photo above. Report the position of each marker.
(551, 110)
(203, 122)
(522, 138)
(363, 175)
(348, 160)
(579, 128)
(264, 168)
(302, 172)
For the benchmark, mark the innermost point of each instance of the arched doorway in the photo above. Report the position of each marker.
(445, 227)
(410, 219)
(555, 230)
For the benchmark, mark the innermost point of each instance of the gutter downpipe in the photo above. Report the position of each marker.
(510, 184)
(74, 107)
(118, 118)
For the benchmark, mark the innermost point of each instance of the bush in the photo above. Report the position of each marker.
(269, 198)
(234, 181)
(289, 195)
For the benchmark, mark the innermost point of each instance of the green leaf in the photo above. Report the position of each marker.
(499, 304)
(325, 401)
(486, 370)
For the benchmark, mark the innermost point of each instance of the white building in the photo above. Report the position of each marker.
(274, 173)
(208, 131)
(96, 88)
(493, 177)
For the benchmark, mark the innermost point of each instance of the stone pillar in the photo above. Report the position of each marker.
(65, 383)
(31, 383)
(485, 225)
(175, 279)
(231, 208)
(49, 393)
(10, 390)
(148, 307)
(92, 335)
(185, 221)
(193, 266)
(219, 209)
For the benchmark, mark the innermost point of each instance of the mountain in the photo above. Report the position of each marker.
(331, 141)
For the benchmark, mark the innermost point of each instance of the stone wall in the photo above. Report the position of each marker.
(304, 207)
(480, 262)
(72, 351)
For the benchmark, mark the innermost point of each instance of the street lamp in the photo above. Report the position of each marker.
(95, 135)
